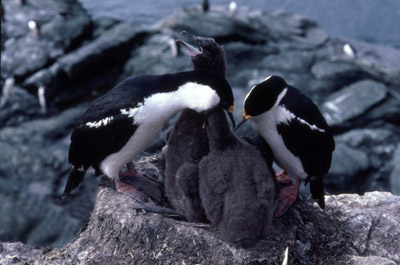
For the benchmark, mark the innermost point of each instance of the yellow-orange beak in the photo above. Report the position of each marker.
(245, 118)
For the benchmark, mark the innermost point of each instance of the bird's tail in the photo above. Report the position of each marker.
(317, 190)
(74, 179)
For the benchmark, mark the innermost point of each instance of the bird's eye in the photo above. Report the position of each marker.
(224, 104)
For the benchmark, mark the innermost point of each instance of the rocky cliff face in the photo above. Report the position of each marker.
(352, 230)
(72, 59)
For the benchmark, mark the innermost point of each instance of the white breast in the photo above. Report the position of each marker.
(265, 125)
(150, 116)
(138, 142)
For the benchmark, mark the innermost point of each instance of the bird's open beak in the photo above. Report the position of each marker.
(193, 51)
(245, 118)
(230, 110)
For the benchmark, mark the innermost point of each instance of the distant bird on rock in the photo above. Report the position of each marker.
(300, 139)
(122, 123)
(349, 51)
(205, 5)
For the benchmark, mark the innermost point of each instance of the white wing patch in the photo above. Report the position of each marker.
(97, 124)
(131, 111)
(159, 107)
(283, 115)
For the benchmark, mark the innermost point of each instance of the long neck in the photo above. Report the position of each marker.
(215, 64)
(219, 133)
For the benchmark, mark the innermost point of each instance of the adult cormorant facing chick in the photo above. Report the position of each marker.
(296, 131)
(123, 122)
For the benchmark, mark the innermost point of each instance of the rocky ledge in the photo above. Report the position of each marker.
(352, 230)
(49, 76)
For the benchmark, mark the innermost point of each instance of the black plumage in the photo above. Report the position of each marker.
(313, 147)
(293, 126)
(237, 187)
(110, 121)
(186, 145)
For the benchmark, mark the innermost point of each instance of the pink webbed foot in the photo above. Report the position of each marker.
(286, 197)
(139, 186)
(131, 171)
(131, 191)
(283, 178)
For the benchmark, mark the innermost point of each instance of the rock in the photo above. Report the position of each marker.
(33, 175)
(335, 70)
(62, 24)
(102, 24)
(44, 131)
(378, 144)
(215, 24)
(347, 160)
(155, 57)
(375, 217)
(350, 228)
(385, 112)
(289, 61)
(3, 30)
(29, 184)
(395, 175)
(18, 106)
(93, 67)
(347, 172)
(242, 56)
(381, 62)
(352, 101)
(290, 31)
(355, 260)
(361, 137)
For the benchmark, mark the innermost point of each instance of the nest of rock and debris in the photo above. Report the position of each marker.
(118, 234)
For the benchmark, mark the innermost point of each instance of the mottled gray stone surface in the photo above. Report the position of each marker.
(61, 24)
(352, 228)
(395, 175)
(353, 101)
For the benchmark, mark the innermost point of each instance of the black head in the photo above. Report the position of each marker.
(205, 53)
(262, 97)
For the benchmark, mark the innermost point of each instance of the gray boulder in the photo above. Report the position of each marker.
(61, 25)
(92, 68)
(375, 217)
(395, 175)
(348, 170)
(336, 70)
(353, 101)
(365, 137)
(216, 23)
(17, 106)
(33, 170)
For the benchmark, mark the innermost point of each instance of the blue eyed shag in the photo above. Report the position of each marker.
(297, 133)
(122, 123)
